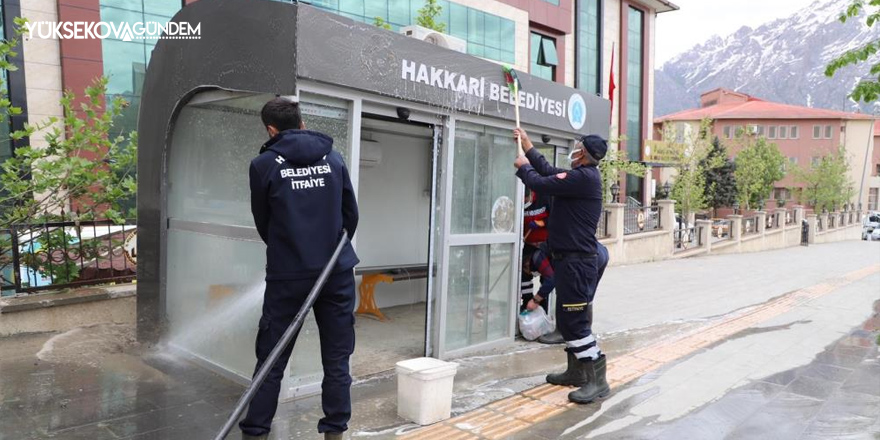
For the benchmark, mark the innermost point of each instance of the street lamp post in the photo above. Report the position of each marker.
(615, 190)
(736, 207)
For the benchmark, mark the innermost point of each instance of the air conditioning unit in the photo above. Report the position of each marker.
(371, 153)
(435, 38)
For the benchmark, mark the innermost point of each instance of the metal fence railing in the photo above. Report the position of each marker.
(7, 278)
(843, 221)
(602, 227)
(820, 225)
(54, 255)
(685, 238)
(789, 218)
(749, 225)
(831, 221)
(641, 219)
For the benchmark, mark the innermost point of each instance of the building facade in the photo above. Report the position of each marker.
(565, 41)
(804, 135)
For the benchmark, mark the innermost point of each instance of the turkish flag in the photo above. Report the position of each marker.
(611, 85)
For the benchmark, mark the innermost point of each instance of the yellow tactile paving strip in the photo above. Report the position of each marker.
(513, 414)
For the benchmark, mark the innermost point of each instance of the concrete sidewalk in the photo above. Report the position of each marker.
(686, 340)
(673, 376)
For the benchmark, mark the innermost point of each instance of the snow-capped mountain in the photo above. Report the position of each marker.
(782, 61)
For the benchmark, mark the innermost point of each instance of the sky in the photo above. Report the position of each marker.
(699, 20)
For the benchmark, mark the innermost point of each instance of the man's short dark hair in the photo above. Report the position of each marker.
(282, 113)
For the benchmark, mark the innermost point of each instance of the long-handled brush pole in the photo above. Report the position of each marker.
(513, 84)
(516, 110)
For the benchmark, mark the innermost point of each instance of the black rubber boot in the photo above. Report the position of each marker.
(553, 337)
(596, 386)
(332, 436)
(254, 437)
(574, 376)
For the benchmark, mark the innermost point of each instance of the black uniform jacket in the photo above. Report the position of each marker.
(577, 202)
(301, 199)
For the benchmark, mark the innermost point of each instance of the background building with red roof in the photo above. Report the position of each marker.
(802, 134)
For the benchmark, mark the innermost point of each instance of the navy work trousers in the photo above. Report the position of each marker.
(577, 278)
(334, 313)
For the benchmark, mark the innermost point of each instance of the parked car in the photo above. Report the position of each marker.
(870, 225)
(680, 223)
(875, 234)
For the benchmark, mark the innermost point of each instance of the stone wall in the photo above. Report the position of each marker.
(60, 312)
(659, 245)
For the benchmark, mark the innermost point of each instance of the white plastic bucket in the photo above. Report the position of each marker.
(424, 389)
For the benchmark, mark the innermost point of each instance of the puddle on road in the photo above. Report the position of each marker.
(109, 348)
(712, 388)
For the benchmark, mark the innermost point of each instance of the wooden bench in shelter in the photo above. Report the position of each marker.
(374, 275)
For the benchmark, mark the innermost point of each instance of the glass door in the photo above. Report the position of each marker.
(481, 235)
(435, 243)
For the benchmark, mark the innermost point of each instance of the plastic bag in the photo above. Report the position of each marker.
(534, 324)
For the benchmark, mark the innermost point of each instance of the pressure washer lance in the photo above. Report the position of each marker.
(285, 339)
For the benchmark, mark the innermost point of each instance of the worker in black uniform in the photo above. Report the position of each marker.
(579, 260)
(302, 202)
(536, 261)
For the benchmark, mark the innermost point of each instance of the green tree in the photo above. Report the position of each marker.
(688, 151)
(758, 168)
(85, 161)
(827, 184)
(428, 16)
(868, 89)
(720, 180)
(381, 23)
(613, 164)
(688, 191)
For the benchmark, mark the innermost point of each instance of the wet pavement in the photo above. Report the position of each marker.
(835, 396)
(739, 353)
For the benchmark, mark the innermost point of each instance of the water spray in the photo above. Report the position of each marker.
(285, 339)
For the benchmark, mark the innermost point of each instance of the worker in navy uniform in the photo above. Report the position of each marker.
(536, 261)
(579, 260)
(302, 202)
(535, 214)
(536, 211)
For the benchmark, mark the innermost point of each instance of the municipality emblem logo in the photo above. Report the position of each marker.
(577, 111)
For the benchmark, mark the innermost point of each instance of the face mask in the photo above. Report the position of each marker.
(572, 153)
